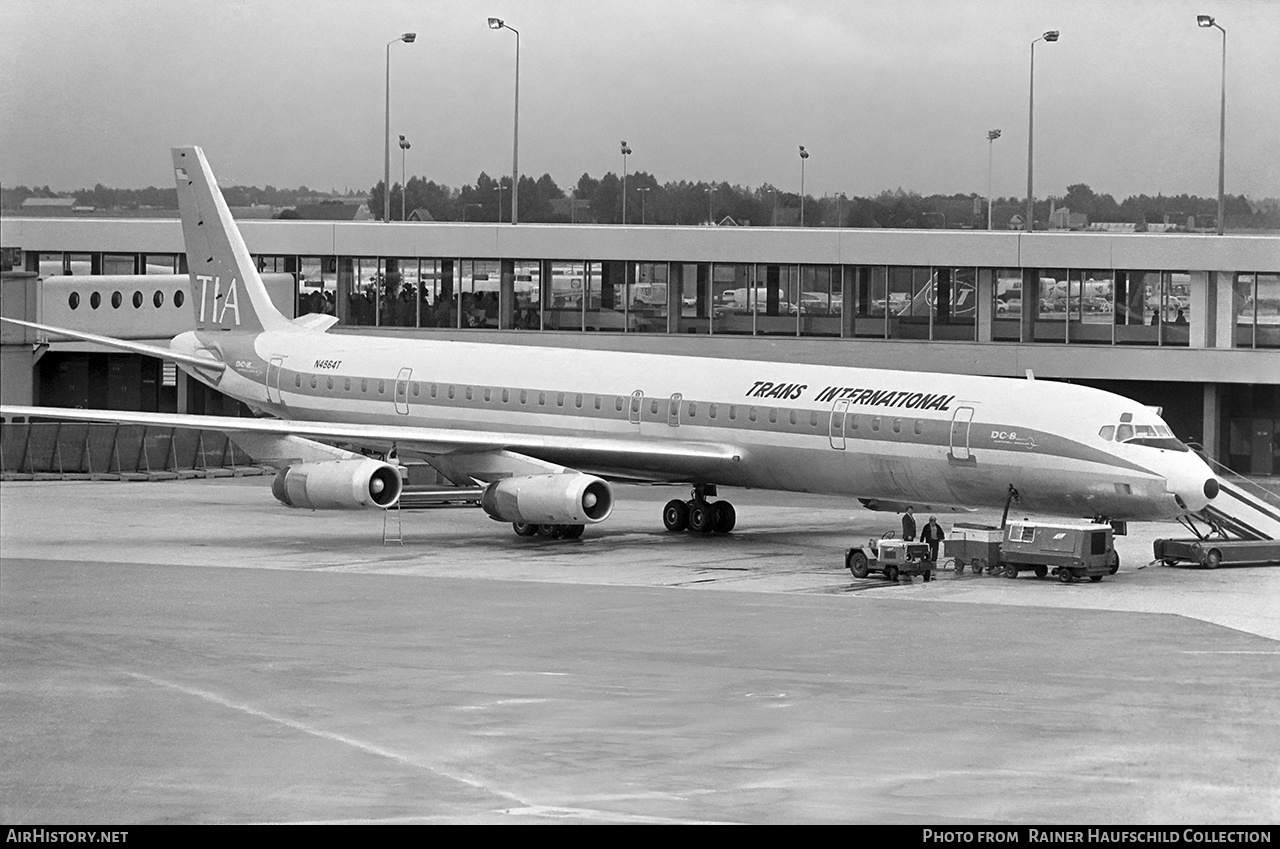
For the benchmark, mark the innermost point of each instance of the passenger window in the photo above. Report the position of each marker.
(693, 409)
(506, 396)
(433, 390)
(813, 418)
(297, 380)
(1107, 432)
(712, 410)
(382, 387)
(469, 393)
(1124, 433)
(451, 391)
(577, 401)
(524, 397)
(897, 425)
(542, 399)
(875, 423)
(919, 428)
(855, 423)
(415, 389)
(559, 399)
(773, 415)
(751, 413)
(619, 403)
(329, 384)
(653, 408)
(733, 412)
(364, 384)
(597, 402)
(313, 381)
(488, 395)
(793, 417)
(346, 386)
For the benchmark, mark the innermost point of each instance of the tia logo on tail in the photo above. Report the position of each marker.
(230, 299)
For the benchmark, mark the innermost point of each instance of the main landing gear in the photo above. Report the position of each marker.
(698, 514)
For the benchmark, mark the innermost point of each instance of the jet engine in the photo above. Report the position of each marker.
(338, 485)
(568, 499)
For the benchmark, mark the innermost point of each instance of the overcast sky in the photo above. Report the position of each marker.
(883, 93)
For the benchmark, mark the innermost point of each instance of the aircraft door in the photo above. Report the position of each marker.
(273, 380)
(839, 412)
(961, 424)
(402, 391)
(637, 407)
(673, 411)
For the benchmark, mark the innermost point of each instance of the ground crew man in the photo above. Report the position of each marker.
(932, 534)
(909, 524)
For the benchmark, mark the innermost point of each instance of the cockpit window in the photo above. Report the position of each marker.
(1167, 443)
(1124, 433)
(1153, 436)
(1107, 432)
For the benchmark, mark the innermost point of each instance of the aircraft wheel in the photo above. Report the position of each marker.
(1041, 571)
(700, 517)
(675, 516)
(549, 531)
(573, 531)
(524, 529)
(891, 572)
(1212, 559)
(857, 563)
(1064, 575)
(1095, 578)
(723, 517)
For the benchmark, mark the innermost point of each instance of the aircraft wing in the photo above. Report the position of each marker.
(634, 457)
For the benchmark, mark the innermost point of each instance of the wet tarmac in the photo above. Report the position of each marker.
(194, 652)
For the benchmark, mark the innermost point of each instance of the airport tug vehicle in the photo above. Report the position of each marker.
(895, 558)
(1071, 551)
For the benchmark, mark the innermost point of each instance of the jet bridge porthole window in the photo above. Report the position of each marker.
(73, 300)
(116, 300)
(178, 298)
(137, 300)
(95, 300)
(158, 299)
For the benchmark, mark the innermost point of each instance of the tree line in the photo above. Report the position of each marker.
(600, 200)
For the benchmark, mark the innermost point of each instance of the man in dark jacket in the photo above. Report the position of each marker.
(932, 534)
(909, 524)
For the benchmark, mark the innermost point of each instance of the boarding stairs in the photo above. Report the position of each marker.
(1243, 509)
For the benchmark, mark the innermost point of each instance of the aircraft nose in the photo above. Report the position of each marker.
(1211, 488)
(1192, 483)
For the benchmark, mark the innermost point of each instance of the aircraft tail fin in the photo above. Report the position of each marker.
(226, 291)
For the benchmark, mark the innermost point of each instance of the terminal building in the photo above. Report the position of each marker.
(1189, 323)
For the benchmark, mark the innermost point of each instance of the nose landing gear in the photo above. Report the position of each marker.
(698, 514)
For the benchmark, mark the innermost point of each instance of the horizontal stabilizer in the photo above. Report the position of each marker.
(123, 345)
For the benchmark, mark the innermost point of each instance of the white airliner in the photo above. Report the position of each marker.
(545, 429)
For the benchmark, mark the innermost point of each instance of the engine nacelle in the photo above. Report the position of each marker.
(338, 485)
(569, 499)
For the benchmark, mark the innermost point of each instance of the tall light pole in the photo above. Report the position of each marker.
(1208, 21)
(711, 219)
(1051, 35)
(497, 23)
(992, 135)
(804, 154)
(407, 38)
(626, 151)
(404, 187)
(498, 189)
(643, 193)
